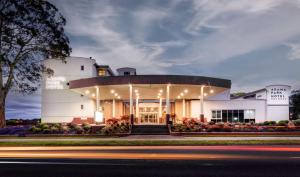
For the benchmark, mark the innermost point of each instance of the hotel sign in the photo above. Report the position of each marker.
(55, 83)
(278, 95)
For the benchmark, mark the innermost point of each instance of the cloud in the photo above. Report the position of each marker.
(294, 53)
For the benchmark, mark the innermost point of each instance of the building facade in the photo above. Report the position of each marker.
(82, 89)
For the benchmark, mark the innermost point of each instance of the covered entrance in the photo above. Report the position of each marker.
(148, 99)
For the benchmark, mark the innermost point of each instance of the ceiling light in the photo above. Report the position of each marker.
(205, 94)
(161, 90)
(178, 97)
(136, 91)
(112, 91)
(93, 95)
(119, 97)
(186, 91)
(116, 94)
(87, 92)
(181, 94)
(159, 94)
(211, 91)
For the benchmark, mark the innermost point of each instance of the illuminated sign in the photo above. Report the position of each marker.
(278, 95)
(55, 83)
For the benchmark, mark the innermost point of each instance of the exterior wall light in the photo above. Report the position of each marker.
(87, 92)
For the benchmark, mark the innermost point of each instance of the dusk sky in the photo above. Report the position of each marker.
(253, 43)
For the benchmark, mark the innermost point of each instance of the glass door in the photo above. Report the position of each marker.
(149, 115)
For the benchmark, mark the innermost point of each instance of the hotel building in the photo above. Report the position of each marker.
(81, 88)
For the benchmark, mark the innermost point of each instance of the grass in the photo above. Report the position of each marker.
(150, 142)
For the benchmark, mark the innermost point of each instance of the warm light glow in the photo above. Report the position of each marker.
(181, 94)
(186, 91)
(98, 116)
(136, 91)
(159, 94)
(119, 97)
(87, 92)
(178, 97)
(211, 91)
(205, 94)
(161, 90)
(93, 95)
(116, 94)
(112, 91)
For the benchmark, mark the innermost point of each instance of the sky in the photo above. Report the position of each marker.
(253, 43)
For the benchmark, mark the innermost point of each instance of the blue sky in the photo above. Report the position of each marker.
(252, 42)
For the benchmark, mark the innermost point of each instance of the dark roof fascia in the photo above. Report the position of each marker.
(150, 79)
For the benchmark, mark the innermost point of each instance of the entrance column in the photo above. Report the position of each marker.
(131, 105)
(168, 117)
(98, 112)
(183, 108)
(202, 103)
(113, 108)
(160, 108)
(137, 108)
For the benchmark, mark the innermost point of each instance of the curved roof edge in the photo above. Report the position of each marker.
(150, 79)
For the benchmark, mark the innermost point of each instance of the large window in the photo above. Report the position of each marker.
(233, 115)
(101, 72)
(249, 115)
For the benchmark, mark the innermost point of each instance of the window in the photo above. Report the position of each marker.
(126, 73)
(82, 67)
(233, 115)
(249, 115)
(81, 107)
(101, 72)
(216, 116)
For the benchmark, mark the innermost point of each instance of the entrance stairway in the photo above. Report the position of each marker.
(150, 130)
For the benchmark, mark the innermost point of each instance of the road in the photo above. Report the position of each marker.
(151, 161)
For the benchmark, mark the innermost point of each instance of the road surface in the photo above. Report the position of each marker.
(151, 161)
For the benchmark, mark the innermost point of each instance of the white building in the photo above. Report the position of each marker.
(81, 89)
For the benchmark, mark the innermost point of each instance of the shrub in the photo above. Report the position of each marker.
(35, 129)
(86, 127)
(296, 122)
(283, 123)
(54, 130)
(270, 123)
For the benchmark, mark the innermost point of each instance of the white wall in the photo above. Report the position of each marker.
(277, 113)
(258, 105)
(59, 104)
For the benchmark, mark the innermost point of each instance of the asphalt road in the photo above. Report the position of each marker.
(151, 161)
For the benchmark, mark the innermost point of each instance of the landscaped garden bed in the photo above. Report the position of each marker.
(113, 126)
(194, 126)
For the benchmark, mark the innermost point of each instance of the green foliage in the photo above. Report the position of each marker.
(295, 103)
(283, 123)
(270, 123)
(297, 122)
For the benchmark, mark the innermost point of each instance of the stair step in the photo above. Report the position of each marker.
(150, 130)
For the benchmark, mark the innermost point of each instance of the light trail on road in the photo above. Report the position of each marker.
(149, 152)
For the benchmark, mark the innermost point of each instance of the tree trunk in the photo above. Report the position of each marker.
(2, 113)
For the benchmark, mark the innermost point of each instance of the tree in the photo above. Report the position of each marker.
(295, 104)
(30, 31)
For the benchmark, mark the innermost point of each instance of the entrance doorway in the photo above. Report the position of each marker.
(148, 114)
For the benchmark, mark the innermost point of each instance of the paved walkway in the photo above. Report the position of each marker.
(146, 137)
